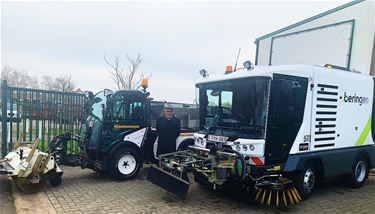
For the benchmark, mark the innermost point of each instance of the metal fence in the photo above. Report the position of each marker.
(42, 114)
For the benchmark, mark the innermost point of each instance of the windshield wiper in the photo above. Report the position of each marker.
(217, 117)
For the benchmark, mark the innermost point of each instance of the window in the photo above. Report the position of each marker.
(127, 109)
(235, 108)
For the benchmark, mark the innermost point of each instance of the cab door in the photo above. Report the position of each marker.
(125, 115)
(285, 116)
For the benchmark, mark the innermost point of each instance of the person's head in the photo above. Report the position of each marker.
(168, 111)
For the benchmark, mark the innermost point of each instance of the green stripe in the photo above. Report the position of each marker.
(364, 133)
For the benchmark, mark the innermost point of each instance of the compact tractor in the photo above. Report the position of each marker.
(116, 137)
(277, 130)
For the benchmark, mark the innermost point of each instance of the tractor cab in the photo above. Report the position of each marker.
(110, 118)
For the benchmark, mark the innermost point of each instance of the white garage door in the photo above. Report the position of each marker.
(318, 46)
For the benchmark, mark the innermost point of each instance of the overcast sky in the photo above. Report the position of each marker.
(176, 39)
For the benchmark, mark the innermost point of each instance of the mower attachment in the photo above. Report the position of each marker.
(175, 182)
(5, 167)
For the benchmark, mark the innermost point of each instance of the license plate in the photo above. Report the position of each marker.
(216, 138)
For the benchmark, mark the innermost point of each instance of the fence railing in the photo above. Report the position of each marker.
(36, 113)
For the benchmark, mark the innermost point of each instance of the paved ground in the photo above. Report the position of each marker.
(82, 191)
(6, 198)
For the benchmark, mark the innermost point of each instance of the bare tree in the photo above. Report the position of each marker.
(18, 78)
(64, 83)
(125, 79)
(47, 83)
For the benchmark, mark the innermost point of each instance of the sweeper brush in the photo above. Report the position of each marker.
(280, 192)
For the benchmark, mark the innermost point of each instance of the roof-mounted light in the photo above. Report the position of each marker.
(228, 69)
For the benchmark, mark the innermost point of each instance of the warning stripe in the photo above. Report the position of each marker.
(256, 161)
(126, 126)
(186, 134)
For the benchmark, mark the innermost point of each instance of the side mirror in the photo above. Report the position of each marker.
(108, 92)
(215, 92)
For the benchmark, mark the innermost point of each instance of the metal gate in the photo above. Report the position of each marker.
(42, 114)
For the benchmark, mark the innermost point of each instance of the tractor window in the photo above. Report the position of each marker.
(128, 109)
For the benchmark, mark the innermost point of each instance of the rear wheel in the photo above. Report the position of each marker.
(306, 181)
(359, 173)
(125, 164)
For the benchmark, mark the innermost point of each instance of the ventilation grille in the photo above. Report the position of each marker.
(326, 114)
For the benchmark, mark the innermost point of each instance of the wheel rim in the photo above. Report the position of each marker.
(308, 180)
(127, 164)
(360, 171)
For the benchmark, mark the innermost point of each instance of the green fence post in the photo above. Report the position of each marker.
(4, 101)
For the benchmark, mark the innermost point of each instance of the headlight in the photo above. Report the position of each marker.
(238, 148)
(252, 147)
(198, 141)
(244, 147)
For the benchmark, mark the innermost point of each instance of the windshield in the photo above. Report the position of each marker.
(99, 104)
(235, 108)
(128, 107)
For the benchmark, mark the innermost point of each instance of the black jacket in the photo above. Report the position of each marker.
(167, 131)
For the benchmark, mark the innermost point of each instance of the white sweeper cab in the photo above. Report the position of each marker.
(278, 130)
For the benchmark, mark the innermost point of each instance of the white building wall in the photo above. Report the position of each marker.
(363, 35)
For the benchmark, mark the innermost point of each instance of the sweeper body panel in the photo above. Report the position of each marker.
(278, 130)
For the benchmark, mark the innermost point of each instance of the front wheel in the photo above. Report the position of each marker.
(305, 181)
(55, 180)
(359, 173)
(125, 164)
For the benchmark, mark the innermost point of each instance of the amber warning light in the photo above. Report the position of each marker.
(229, 69)
(144, 83)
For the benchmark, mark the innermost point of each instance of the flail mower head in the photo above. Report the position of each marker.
(29, 168)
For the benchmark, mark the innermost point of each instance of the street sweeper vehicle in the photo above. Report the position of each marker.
(277, 130)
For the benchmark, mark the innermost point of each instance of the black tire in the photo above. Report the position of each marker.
(129, 161)
(55, 180)
(306, 181)
(359, 173)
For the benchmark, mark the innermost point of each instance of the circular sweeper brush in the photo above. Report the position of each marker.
(278, 192)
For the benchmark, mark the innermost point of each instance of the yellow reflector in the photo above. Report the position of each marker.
(126, 126)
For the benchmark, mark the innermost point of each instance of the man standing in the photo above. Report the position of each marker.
(168, 130)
